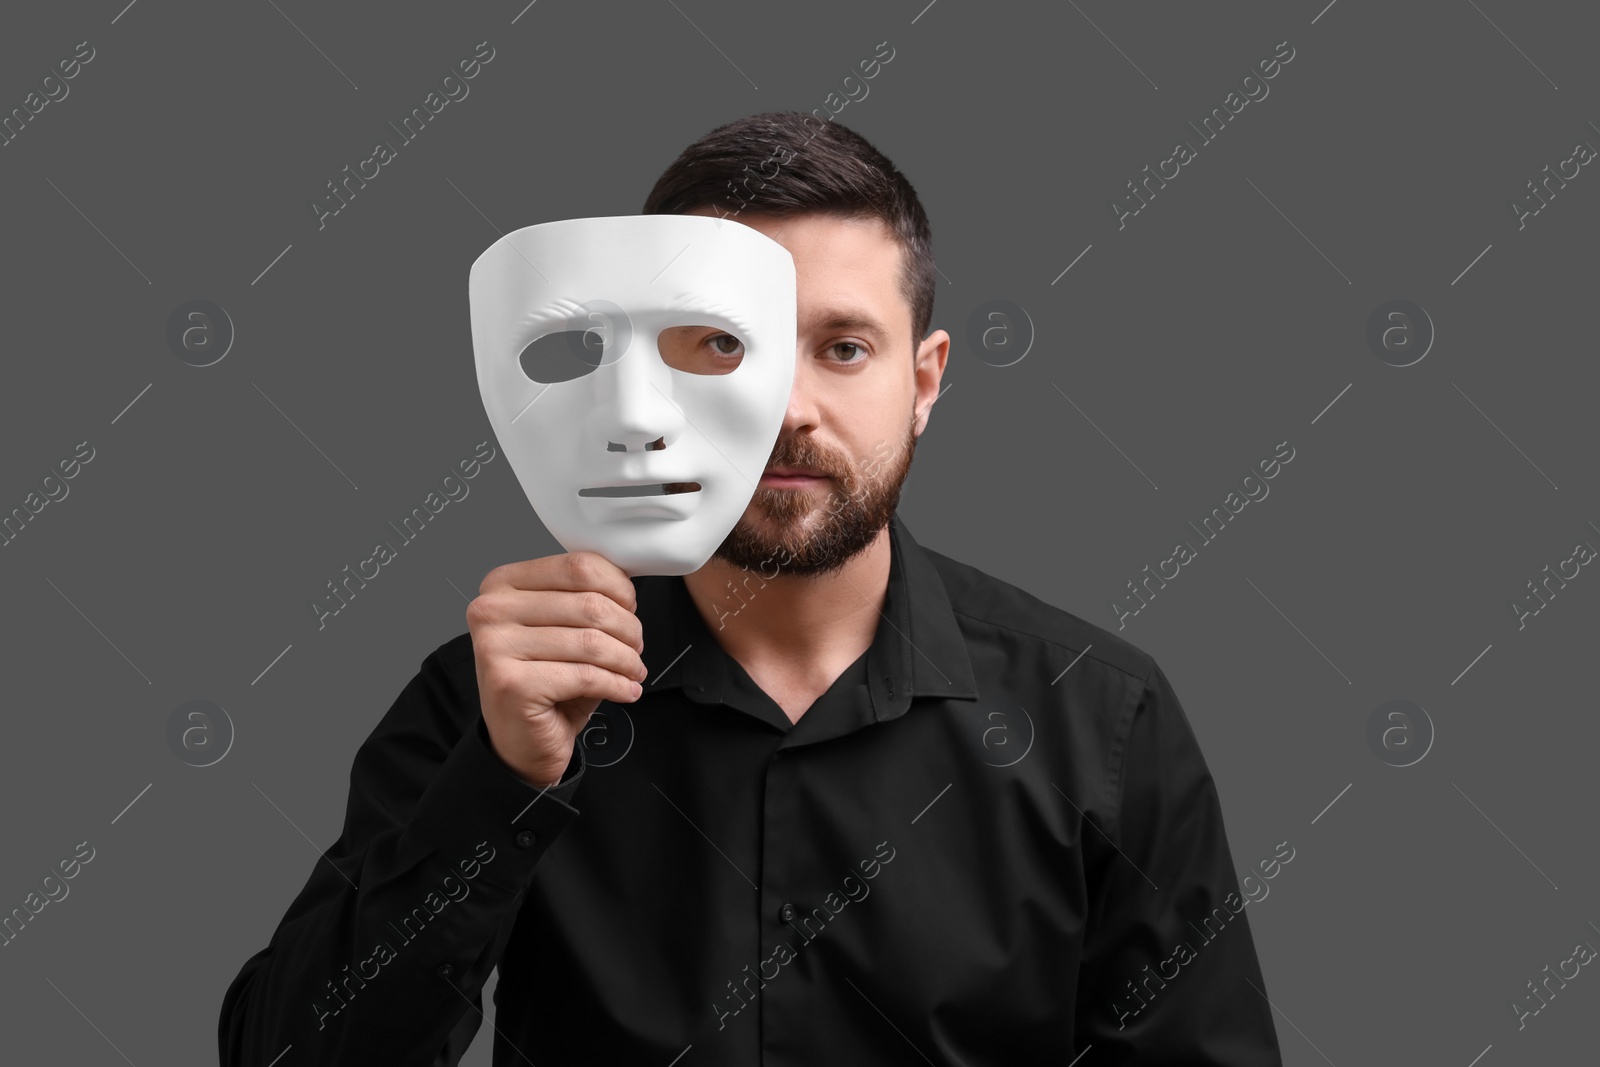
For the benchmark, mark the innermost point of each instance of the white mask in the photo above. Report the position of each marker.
(624, 384)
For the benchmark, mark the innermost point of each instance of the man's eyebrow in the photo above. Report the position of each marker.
(858, 321)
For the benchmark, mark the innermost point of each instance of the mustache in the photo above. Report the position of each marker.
(804, 452)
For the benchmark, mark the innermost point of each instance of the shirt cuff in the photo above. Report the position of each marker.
(475, 799)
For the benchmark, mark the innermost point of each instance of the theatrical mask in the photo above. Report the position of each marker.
(636, 370)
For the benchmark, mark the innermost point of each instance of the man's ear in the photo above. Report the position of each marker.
(927, 370)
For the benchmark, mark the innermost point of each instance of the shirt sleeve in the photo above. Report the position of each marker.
(1169, 973)
(382, 956)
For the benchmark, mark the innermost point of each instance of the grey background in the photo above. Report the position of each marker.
(1214, 326)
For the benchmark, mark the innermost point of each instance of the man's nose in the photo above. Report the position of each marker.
(634, 404)
(801, 412)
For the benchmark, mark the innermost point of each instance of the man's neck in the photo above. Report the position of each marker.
(794, 635)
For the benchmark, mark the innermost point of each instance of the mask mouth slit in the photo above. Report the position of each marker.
(654, 489)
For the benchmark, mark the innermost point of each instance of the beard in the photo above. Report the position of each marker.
(808, 532)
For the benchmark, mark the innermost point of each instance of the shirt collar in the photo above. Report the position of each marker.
(917, 650)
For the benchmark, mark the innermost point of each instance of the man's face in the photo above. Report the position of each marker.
(858, 403)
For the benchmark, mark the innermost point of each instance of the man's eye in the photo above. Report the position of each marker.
(700, 349)
(726, 344)
(854, 350)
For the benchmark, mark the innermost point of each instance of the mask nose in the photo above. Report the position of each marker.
(635, 410)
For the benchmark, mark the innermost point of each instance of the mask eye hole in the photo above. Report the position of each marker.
(562, 356)
(700, 349)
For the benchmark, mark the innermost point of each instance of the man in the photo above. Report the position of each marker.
(844, 800)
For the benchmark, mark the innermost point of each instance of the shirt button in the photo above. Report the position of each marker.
(445, 970)
(525, 838)
(786, 913)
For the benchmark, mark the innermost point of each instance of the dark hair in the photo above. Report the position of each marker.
(787, 163)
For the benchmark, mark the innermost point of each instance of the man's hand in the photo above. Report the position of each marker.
(552, 638)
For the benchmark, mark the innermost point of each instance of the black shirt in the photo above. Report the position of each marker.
(983, 845)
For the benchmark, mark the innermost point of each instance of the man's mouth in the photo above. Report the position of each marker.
(784, 477)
